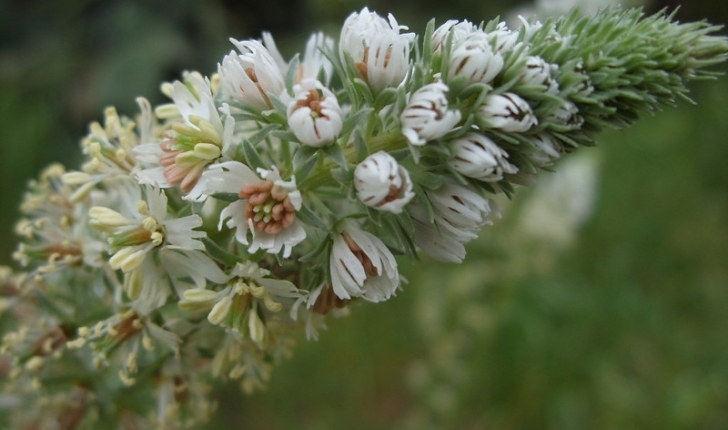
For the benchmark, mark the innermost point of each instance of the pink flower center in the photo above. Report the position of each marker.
(269, 206)
(184, 176)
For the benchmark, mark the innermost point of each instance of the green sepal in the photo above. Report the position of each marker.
(352, 120)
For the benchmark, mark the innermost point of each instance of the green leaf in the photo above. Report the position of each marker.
(309, 217)
(226, 197)
(427, 50)
(386, 97)
(343, 176)
(321, 250)
(360, 144)
(252, 157)
(428, 180)
(278, 105)
(336, 155)
(291, 74)
(219, 254)
(305, 167)
(353, 120)
(262, 134)
(284, 135)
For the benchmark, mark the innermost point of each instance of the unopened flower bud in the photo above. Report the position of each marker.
(507, 112)
(382, 183)
(361, 265)
(459, 31)
(474, 58)
(478, 157)
(314, 115)
(566, 115)
(537, 71)
(379, 52)
(427, 117)
(546, 150)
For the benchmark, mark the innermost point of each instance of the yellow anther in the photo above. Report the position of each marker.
(150, 224)
(143, 207)
(147, 343)
(157, 238)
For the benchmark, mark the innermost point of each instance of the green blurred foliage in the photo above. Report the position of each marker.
(624, 329)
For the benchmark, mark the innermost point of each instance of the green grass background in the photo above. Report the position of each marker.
(625, 328)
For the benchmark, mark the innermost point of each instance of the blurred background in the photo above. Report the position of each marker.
(599, 301)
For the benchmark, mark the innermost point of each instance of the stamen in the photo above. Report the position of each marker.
(268, 206)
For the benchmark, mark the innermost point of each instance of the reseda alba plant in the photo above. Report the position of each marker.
(198, 235)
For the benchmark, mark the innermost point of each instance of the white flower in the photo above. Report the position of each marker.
(314, 115)
(458, 215)
(138, 234)
(547, 149)
(379, 52)
(250, 76)
(478, 157)
(267, 209)
(427, 117)
(507, 112)
(536, 71)
(190, 143)
(133, 238)
(248, 289)
(473, 57)
(361, 265)
(382, 183)
(313, 62)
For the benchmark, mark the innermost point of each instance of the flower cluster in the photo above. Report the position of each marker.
(199, 234)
